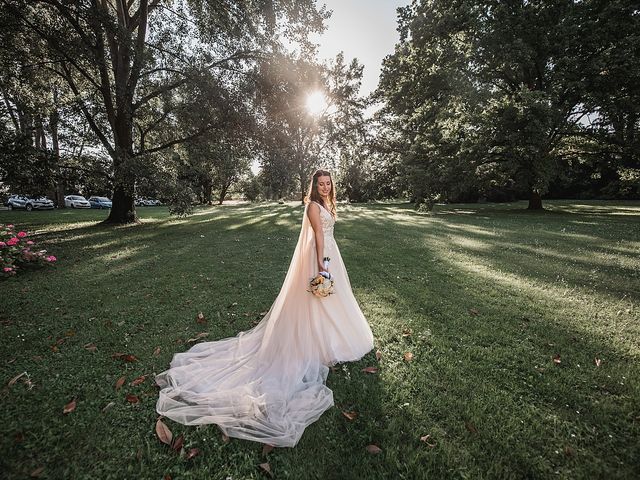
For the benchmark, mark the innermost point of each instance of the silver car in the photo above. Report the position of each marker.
(29, 203)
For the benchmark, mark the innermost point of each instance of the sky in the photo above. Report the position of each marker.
(364, 29)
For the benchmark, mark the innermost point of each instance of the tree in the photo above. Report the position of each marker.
(125, 63)
(486, 91)
(296, 138)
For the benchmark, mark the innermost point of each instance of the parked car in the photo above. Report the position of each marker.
(153, 202)
(76, 201)
(29, 203)
(100, 202)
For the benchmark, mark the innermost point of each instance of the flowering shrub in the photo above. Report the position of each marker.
(16, 251)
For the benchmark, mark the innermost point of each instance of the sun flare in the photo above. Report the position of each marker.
(316, 102)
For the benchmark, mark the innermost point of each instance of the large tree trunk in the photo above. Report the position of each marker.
(123, 209)
(535, 200)
(223, 192)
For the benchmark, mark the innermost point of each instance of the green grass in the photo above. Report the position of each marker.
(490, 292)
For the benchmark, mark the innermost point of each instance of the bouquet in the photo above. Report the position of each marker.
(322, 284)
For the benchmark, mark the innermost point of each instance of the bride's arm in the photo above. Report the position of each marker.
(314, 217)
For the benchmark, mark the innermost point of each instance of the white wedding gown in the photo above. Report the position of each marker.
(267, 384)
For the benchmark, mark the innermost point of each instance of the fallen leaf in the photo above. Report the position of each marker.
(370, 369)
(378, 355)
(138, 380)
(120, 383)
(350, 415)
(374, 449)
(70, 333)
(408, 356)
(156, 352)
(198, 337)
(556, 358)
(15, 379)
(163, 432)
(407, 332)
(132, 398)
(471, 427)
(234, 304)
(225, 437)
(266, 449)
(178, 443)
(200, 318)
(108, 406)
(37, 472)
(192, 453)
(597, 361)
(19, 437)
(91, 347)
(474, 312)
(568, 451)
(69, 407)
(266, 468)
(124, 356)
(167, 477)
(425, 439)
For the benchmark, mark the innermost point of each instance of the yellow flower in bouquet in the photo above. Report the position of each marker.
(322, 284)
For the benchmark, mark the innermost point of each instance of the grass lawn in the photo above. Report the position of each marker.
(484, 296)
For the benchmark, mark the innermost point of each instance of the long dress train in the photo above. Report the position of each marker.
(267, 384)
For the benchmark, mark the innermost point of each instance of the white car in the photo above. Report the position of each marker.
(76, 201)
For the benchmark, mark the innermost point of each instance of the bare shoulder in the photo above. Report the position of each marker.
(313, 210)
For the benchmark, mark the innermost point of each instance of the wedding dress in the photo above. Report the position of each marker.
(267, 384)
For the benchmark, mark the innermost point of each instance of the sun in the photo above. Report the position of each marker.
(316, 102)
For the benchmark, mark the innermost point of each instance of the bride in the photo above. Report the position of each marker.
(267, 384)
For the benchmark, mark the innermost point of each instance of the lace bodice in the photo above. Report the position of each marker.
(327, 222)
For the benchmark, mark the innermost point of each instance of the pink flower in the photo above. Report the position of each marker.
(51, 258)
(12, 241)
(3, 244)
(29, 242)
(22, 234)
(10, 226)
(7, 269)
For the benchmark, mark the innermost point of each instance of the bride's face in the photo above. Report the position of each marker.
(324, 186)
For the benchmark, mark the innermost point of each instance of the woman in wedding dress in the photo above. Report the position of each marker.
(267, 384)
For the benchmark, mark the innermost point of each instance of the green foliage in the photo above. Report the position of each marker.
(481, 93)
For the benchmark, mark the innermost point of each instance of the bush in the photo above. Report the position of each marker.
(16, 251)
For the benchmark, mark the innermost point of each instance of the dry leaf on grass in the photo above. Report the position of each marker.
(200, 318)
(120, 383)
(370, 369)
(350, 415)
(192, 453)
(91, 347)
(156, 352)
(132, 398)
(597, 361)
(163, 432)
(178, 443)
(378, 355)
(266, 449)
(198, 337)
(556, 359)
(138, 380)
(37, 472)
(15, 379)
(471, 427)
(69, 407)
(374, 449)
(266, 468)
(408, 356)
(426, 439)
